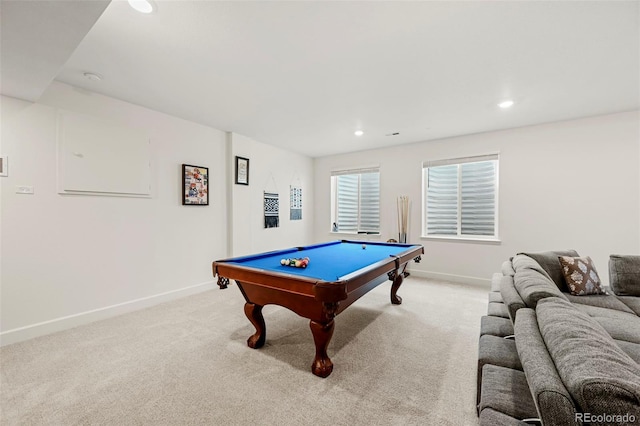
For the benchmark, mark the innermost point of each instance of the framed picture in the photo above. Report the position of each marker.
(195, 185)
(242, 171)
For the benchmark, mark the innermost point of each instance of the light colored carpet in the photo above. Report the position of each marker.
(187, 362)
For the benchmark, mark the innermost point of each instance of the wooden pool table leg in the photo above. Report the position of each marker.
(322, 333)
(397, 281)
(254, 313)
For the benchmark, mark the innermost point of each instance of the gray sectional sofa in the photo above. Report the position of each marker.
(549, 357)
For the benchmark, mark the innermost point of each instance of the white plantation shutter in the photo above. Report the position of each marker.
(369, 202)
(461, 196)
(442, 200)
(478, 189)
(347, 198)
(357, 199)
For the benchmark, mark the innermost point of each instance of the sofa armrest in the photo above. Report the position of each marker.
(552, 399)
(510, 296)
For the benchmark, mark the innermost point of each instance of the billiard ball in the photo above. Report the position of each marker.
(364, 246)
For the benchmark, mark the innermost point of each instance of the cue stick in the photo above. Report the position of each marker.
(406, 218)
(398, 210)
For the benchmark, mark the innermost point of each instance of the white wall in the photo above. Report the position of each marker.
(572, 184)
(273, 170)
(69, 259)
(66, 260)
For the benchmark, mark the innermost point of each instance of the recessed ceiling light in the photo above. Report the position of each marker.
(506, 104)
(92, 76)
(358, 133)
(142, 6)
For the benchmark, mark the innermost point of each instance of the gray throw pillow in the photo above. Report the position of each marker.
(624, 275)
(550, 263)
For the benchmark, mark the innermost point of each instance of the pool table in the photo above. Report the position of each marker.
(338, 274)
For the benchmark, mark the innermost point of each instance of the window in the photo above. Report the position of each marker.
(461, 197)
(355, 201)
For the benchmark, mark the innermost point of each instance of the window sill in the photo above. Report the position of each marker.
(495, 241)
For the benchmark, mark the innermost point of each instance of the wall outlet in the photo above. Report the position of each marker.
(23, 189)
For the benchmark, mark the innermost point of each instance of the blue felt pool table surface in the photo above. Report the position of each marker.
(328, 261)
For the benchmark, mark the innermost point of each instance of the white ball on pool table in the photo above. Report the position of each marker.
(364, 246)
(283, 261)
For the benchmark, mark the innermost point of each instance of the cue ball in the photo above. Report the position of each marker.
(364, 246)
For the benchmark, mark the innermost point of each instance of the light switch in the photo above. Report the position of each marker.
(22, 189)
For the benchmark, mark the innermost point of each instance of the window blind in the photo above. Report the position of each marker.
(461, 196)
(369, 202)
(478, 192)
(442, 200)
(347, 200)
(357, 198)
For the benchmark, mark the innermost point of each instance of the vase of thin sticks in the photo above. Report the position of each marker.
(403, 218)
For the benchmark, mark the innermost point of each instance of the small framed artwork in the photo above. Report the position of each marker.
(195, 185)
(4, 170)
(242, 171)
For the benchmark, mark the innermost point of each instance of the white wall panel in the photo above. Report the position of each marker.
(102, 157)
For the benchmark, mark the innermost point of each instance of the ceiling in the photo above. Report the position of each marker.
(304, 75)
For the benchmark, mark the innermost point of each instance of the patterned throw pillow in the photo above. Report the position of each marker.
(581, 275)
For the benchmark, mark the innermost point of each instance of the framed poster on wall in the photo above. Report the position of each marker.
(242, 171)
(195, 185)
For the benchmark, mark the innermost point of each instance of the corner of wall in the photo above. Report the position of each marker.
(228, 154)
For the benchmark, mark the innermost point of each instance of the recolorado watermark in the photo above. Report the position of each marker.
(627, 418)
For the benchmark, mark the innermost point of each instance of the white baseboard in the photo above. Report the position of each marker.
(461, 279)
(64, 323)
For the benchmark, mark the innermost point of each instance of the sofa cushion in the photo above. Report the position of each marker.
(496, 350)
(522, 261)
(497, 310)
(596, 311)
(506, 390)
(491, 417)
(630, 348)
(548, 260)
(632, 302)
(624, 275)
(532, 282)
(495, 281)
(608, 301)
(496, 297)
(495, 326)
(507, 268)
(552, 399)
(510, 296)
(600, 376)
(581, 275)
(627, 329)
